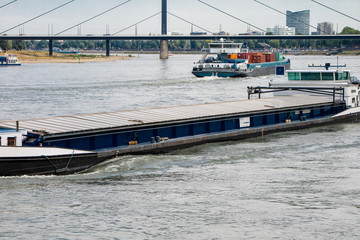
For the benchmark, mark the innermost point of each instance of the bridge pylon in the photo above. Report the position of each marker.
(164, 46)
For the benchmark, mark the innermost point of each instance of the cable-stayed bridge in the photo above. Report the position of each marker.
(163, 37)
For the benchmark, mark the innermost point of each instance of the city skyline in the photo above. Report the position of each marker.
(190, 10)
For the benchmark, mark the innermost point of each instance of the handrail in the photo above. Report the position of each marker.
(329, 91)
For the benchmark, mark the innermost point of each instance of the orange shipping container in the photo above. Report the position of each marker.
(245, 56)
(270, 57)
(255, 59)
(241, 55)
(231, 56)
(258, 58)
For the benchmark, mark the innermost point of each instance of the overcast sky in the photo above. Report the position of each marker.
(191, 10)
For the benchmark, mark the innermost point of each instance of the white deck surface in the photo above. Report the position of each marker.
(86, 122)
(37, 151)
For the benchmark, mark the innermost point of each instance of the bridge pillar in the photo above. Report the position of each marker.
(164, 45)
(50, 47)
(107, 47)
(164, 49)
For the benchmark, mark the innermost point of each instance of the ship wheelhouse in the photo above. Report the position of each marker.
(316, 75)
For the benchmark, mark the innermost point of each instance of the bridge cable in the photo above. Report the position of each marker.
(189, 22)
(7, 4)
(102, 13)
(136, 23)
(335, 10)
(37, 16)
(287, 15)
(232, 16)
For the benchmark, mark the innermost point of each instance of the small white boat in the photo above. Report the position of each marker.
(9, 60)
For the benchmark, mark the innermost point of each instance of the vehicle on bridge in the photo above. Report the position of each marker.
(225, 59)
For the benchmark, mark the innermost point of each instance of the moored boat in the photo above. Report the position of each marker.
(9, 60)
(227, 59)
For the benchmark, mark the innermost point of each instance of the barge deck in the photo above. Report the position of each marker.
(309, 98)
(162, 129)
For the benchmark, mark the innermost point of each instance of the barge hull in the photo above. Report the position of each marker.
(233, 135)
(266, 70)
(60, 165)
(47, 165)
(257, 71)
(166, 129)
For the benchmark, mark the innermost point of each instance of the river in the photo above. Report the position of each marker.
(293, 185)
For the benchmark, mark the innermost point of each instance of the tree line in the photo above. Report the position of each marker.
(179, 45)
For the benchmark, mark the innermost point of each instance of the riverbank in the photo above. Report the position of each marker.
(43, 57)
(29, 57)
(342, 53)
(355, 52)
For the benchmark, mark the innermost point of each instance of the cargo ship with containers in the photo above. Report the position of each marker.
(228, 59)
(68, 144)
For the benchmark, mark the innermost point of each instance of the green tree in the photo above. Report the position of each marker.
(349, 30)
(30, 44)
(5, 45)
(42, 44)
(294, 43)
(57, 44)
(251, 44)
(82, 45)
(18, 45)
(274, 43)
(91, 45)
(172, 45)
(182, 44)
(65, 45)
(195, 45)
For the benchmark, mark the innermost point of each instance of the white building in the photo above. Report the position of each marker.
(277, 30)
(325, 28)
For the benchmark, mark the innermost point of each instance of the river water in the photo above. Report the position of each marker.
(292, 185)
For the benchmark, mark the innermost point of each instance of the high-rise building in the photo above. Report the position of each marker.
(325, 28)
(299, 20)
(277, 30)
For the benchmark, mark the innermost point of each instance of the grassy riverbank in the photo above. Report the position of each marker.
(43, 57)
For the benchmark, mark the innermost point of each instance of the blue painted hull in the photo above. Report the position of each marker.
(218, 74)
(9, 65)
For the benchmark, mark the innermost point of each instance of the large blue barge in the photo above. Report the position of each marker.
(296, 104)
(125, 131)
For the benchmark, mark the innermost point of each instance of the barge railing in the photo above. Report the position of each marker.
(334, 91)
